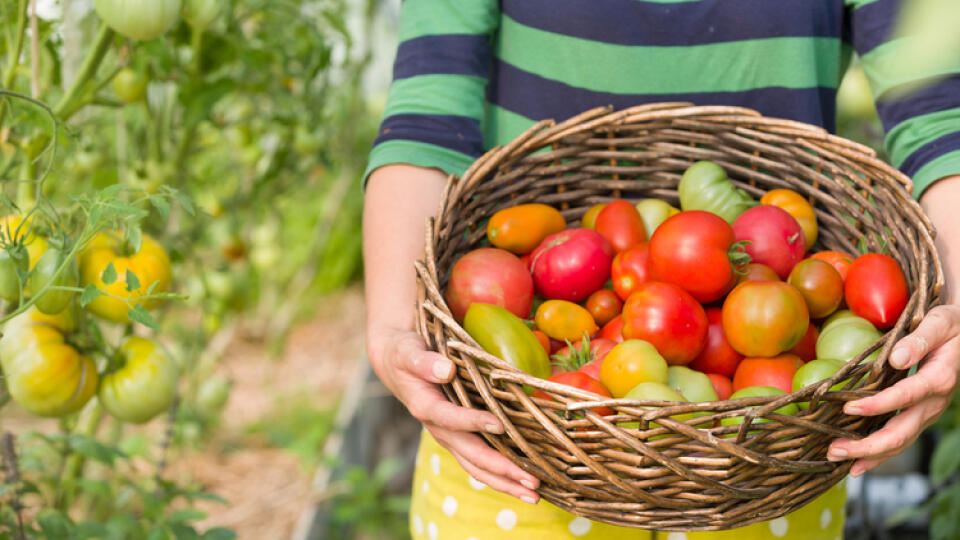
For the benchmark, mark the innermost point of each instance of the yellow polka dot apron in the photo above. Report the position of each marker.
(448, 504)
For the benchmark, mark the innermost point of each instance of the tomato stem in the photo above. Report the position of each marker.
(14, 58)
(87, 426)
(68, 103)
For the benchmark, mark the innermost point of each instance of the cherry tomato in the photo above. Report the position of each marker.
(564, 320)
(798, 207)
(578, 379)
(764, 318)
(807, 348)
(820, 284)
(757, 272)
(630, 363)
(521, 228)
(604, 305)
(669, 318)
(571, 264)
(776, 372)
(876, 289)
(491, 276)
(722, 385)
(775, 238)
(630, 269)
(621, 224)
(717, 355)
(613, 330)
(589, 219)
(841, 262)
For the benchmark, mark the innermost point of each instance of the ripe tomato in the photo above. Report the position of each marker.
(582, 381)
(571, 264)
(565, 321)
(653, 212)
(807, 348)
(521, 228)
(705, 186)
(143, 386)
(876, 289)
(585, 355)
(620, 223)
(544, 340)
(54, 301)
(492, 276)
(841, 262)
(507, 337)
(669, 318)
(630, 269)
(722, 385)
(150, 265)
(757, 272)
(694, 250)
(604, 305)
(136, 19)
(613, 330)
(775, 238)
(764, 318)
(630, 363)
(129, 86)
(820, 284)
(776, 372)
(794, 204)
(717, 355)
(589, 219)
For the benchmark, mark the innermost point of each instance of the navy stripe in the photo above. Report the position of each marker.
(872, 25)
(545, 98)
(457, 54)
(633, 22)
(458, 133)
(939, 96)
(930, 151)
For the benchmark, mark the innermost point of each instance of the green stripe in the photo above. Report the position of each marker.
(941, 167)
(857, 4)
(729, 66)
(897, 63)
(502, 126)
(416, 153)
(461, 95)
(914, 132)
(432, 17)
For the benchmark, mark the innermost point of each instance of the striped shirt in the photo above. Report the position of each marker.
(472, 74)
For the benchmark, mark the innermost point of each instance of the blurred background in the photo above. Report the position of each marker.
(245, 124)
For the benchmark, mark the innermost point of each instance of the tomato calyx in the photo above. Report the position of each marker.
(739, 257)
(577, 358)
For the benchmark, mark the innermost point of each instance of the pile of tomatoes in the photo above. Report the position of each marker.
(721, 300)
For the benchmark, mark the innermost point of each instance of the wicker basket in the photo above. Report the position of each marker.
(675, 476)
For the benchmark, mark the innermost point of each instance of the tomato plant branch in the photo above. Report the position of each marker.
(13, 478)
(87, 426)
(34, 51)
(68, 103)
(14, 59)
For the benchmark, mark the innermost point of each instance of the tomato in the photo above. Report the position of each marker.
(807, 348)
(655, 391)
(571, 264)
(630, 363)
(845, 338)
(129, 86)
(814, 372)
(14, 261)
(589, 219)
(876, 289)
(54, 301)
(564, 320)
(213, 395)
(841, 262)
(794, 204)
(613, 330)
(820, 284)
(722, 385)
(841, 317)
(604, 305)
(717, 355)
(507, 337)
(582, 381)
(694, 250)
(200, 14)
(757, 272)
(757, 391)
(585, 355)
(669, 318)
(694, 385)
(143, 386)
(630, 269)
(705, 186)
(620, 223)
(137, 19)
(492, 276)
(16, 230)
(775, 238)
(150, 265)
(776, 372)
(653, 212)
(521, 228)
(543, 339)
(764, 318)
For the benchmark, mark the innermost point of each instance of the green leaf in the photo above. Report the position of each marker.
(134, 237)
(133, 283)
(185, 202)
(141, 315)
(90, 293)
(185, 515)
(161, 204)
(153, 287)
(159, 533)
(93, 449)
(219, 533)
(89, 530)
(946, 458)
(109, 275)
(54, 524)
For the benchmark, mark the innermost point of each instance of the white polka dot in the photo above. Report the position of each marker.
(476, 484)
(472, 538)
(580, 526)
(779, 526)
(435, 463)
(432, 530)
(825, 518)
(677, 536)
(425, 487)
(507, 519)
(417, 524)
(449, 505)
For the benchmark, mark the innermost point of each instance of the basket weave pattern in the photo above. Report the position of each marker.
(675, 475)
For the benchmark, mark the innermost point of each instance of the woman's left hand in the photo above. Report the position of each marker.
(921, 398)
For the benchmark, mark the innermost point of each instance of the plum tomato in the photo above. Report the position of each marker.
(820, 284)
(604, 305)
(630, 269)
(521, 228)
(775, 238)
(507, 337)
(669, 318)
(764, 318)
(776, 372)
(491, 276)
(621, 224)
(876, 289)
(630, 363)
(717, 355)
(571, 264)
(565, 321)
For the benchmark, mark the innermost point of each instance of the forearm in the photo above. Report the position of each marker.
(941, 202)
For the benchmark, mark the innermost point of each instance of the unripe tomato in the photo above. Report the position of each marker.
(145, 384)
(669, 318)
(820, 284)
(798, 207)
(655, 391)
(129, 86)
(571, 264)
(15, 230)
(775, 238)
(722, 385)
(604, 305)
(200, 14)
(653, 212)
(620, 223)
(757, 391)
(521, 228)
(613, 330)
(845, 338)
(757, 272)
(14, 261)
(54, 301)
(876, 289)
(764, 318)
(694, 385)
(507, 337)
(150, 265)
(492, 276)
(589, 219)
(213, 395)
(564, 320)
(631, 269)
(776, 372)
(813, 372)
(582, 381)
(705, 186)
(717, 355)
(137, 19)
(630, 363)
(841, 262)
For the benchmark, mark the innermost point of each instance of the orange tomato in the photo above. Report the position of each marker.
(589, 219)
(777, 372)
(839, 260)
(521, 228)
(544, 340)
(798, 207)
(565, 320)
(630, 363)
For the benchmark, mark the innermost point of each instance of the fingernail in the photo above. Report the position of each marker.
(836, 454)
(442, 369)
(528, 499)
(853, 410)
(899, 357)
(529, 484)
(493, 428)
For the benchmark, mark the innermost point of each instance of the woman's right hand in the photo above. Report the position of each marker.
(412, 373)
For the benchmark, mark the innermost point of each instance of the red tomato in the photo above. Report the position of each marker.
(807, 348)
(717, 355)
(840, 261)
(631, 268)
(620, 223)
(604, 305)
(776, 372)
(587, 360)
(490, 276)
(876, 289)
(613, 330)
(764, 318)
(757, 272)
(693, 250)
(775, 238)
(582, 381)
(722, 385)
(571, 264)
(669, 318)
(820, 284)
(544, 340)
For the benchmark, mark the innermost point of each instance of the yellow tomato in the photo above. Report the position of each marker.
(798, 207)
(521, 228)
(565, 321)
(150, 265)
(589, 219)
(143, 386)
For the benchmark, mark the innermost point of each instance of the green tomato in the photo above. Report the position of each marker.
(815, 371)
(54, 301)
(845, 338)
(13, 261)
(757, 391)
(705, 186)
(130, 86)
(200, 14)
(660, 392)
(653, 212)
(845, 316)
(144, 386)
(507, 337)
(139, 19)
(213, 395)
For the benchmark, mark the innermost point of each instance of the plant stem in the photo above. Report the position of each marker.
(13, 478)
(68, 103)
(14, 59)
(88, 424)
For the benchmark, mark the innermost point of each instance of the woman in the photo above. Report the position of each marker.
(473, 74)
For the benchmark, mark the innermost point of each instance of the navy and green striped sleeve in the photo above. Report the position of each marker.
(436, 101)
(922, 126)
